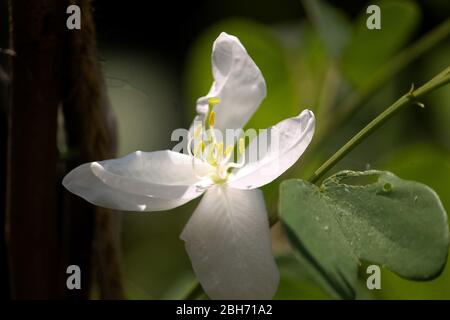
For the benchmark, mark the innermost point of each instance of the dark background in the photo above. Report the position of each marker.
(169, 27)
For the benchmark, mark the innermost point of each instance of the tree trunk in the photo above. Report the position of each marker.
(4, 83)
(91, 133)
(32, 220)
(47, 228)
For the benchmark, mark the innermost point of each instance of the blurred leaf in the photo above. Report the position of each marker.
(308, 62)
(396, 223)
(370, 49)
(183, 285)
(295, 282)
(267, 52)
(438, 100)
(139, 88)
(426, 164)
(331, 23)
(154, 255)
(298, 282)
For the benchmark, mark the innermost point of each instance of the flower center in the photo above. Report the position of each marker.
(203, 145)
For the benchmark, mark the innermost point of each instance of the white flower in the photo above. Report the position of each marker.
(227, 237)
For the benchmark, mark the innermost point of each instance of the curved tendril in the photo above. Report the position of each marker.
(236, 164)
(228, 154)
(241, 150)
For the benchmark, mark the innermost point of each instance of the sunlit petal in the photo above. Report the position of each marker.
(290, 138)
(141, 181)
(228, 241)
(238, 83)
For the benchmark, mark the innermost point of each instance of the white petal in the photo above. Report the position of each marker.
(291, 137)
(164, 174)
(228, 241)
(141, 181)
(238, 83)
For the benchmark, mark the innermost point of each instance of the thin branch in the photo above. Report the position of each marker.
(386, 72)
(408, 99)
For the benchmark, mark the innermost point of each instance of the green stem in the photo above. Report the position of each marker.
(388, 70)
(407, 99)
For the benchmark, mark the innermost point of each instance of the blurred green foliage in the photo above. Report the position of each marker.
(368, 49)
(313, 62)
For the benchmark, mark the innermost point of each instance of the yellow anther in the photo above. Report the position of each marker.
(212, 118)
(213, 101)
(241, 145)
(211, 115)
(197, 131)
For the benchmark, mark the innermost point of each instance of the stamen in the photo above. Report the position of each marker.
(228, 150)
(199, 148)
(227, 155)
(212, 151)
(236, 165)
(241, 146)
(212, 119)
(197, 131)
(241, 149)
(210, 115)
(198, 176)
(210, 158)
(213, 101)
(219, 153)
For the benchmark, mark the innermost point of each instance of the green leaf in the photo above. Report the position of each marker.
(414, 162)
(370, 49)
(395, 223)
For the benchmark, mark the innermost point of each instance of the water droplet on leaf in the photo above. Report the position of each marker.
(387, 187)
